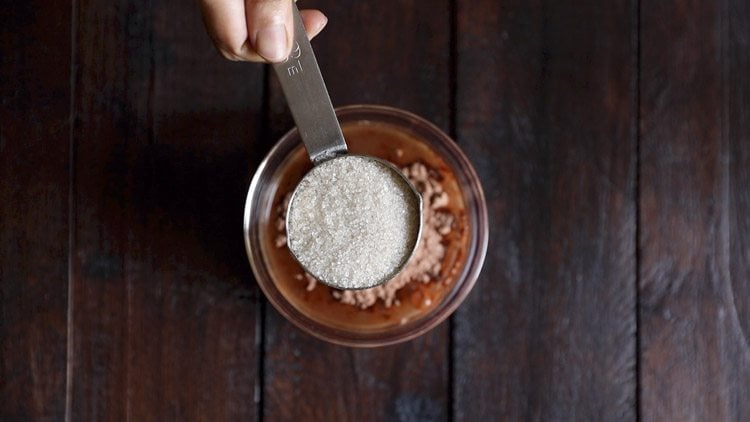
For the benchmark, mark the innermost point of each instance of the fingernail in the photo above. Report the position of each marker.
(271, 43)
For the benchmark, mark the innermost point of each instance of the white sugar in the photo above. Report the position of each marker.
(352, 222)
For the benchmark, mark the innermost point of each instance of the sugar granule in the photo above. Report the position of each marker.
(352, 222)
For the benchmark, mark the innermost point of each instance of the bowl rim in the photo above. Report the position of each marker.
(470, 274)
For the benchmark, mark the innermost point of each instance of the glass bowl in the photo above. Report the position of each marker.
(401, 138)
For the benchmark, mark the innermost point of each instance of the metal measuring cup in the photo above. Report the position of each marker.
(308, 100)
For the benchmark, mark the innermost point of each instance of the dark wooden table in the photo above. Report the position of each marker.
(612, 139)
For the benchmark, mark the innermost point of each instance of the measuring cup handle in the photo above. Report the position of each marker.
(308, 99)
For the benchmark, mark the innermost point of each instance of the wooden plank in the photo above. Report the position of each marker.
(695, 296)
(34, 159)
(736, 121)
(399, 56)
(164, 310)
(546, 111)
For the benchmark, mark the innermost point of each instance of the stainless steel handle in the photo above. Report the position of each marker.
(308, 99)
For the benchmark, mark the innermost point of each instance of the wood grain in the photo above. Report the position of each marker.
(34, 159)
(146, 176)
(164, 311)
(546, 111)
(395, 54)
(694, 287)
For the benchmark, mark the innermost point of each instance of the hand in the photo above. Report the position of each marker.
(256, 30)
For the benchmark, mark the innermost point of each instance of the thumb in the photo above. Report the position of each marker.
(270, 27)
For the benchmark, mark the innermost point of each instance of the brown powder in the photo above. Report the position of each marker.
(424, 266)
